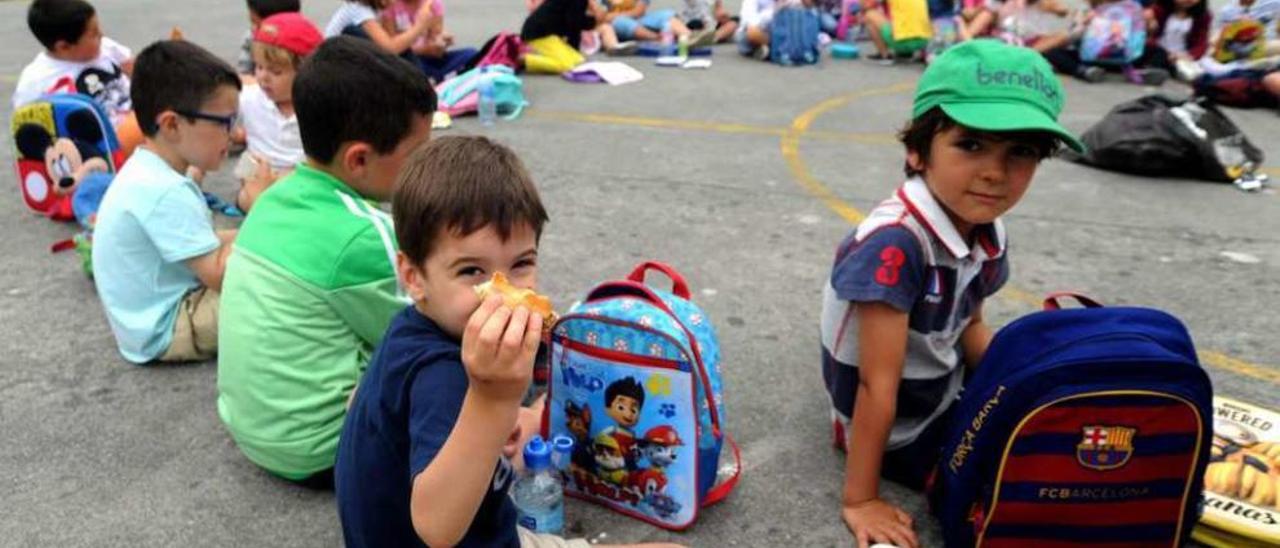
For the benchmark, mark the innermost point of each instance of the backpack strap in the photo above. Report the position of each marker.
(1051, 300)
(719, 492)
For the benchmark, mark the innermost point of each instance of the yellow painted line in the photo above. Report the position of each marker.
(790, 146)
(705, 126)
(800, 126)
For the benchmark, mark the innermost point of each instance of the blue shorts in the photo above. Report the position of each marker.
(654, 20)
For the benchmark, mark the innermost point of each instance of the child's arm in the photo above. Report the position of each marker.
(498, 357)
(397, 43)
(210, 267)
(975, 339)
(882, 347)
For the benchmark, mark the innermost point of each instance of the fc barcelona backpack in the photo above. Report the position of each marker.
(635, 381)
(1080, 427)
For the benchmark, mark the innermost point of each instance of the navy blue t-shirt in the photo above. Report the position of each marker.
(403, 412)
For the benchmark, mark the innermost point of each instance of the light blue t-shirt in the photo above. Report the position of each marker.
(150, 221)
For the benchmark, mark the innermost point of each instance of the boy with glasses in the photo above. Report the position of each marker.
(158, 262)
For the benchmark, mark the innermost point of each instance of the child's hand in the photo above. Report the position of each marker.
(498, 347)
(875, 521)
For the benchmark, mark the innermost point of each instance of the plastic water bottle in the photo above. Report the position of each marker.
(487, 109)
(538, 494)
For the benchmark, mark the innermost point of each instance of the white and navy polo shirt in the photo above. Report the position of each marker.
(908, 254)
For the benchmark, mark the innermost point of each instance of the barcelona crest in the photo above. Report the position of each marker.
(1105, 447)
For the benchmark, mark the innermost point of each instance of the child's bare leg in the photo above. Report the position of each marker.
(757, 36)
(1271, 83)
(608, 36)
(1051, 41)
(874, 20)
(644, 34)
(725, 30)
(678, 28)
(981, 23)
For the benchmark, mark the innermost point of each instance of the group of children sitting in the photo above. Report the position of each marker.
(353, 353)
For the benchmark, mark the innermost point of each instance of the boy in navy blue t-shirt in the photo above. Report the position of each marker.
(424, 456)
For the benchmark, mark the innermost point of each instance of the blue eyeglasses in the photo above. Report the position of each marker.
(227, 122)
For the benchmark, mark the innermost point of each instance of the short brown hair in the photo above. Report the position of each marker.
(918, 136)
(462, 184)
(277, 56)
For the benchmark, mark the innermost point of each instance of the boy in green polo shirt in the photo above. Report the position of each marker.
(310, 285)
(902, 310)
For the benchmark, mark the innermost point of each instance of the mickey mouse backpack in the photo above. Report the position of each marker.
(1087, 427)
(635, 381)
(62, 140)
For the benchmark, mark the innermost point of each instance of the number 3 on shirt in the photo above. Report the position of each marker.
(891, 260)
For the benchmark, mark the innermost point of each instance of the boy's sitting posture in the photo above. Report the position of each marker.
(311, 282)
(903, 307)
(77, 58)
(259, 10)
(157, 261)
(266, 108)
(424, 454)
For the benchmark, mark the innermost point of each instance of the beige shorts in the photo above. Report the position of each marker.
(195, 332)
(530, 539)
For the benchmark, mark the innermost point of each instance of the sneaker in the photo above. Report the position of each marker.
(883, 59)
(623, 48)
(1188, 70)
(1092, 75)
(1150, 77)
(761, 53)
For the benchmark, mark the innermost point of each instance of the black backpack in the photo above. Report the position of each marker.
(1158, 135)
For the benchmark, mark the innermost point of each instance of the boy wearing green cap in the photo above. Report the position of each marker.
(903, 306)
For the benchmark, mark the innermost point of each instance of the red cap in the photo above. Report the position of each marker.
(290, 31)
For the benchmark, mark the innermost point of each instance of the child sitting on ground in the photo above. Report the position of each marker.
(425, 453)
(902, 309)
(266, 108)
(77, 58)
(553, 32)
(311, 282)
(259, 10)
(628, 20)
(755, 18)
(710, 15)
(359, 18)
(157, 261)
(1178, 37)
(431, 51)
(1065, 55)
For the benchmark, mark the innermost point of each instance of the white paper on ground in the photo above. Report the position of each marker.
(612, 72)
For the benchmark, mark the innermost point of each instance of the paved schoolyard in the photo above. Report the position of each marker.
(744, 176)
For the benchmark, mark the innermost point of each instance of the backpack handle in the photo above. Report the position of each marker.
(1051, 300)
(678, 285)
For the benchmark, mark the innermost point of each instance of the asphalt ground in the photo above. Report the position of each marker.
(744, 176)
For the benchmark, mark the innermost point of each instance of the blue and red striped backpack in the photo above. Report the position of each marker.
(1085, 426)
(635, 381)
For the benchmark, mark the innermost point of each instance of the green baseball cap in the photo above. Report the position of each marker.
(989, 85)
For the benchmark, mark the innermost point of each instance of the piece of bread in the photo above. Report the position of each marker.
(513, 296)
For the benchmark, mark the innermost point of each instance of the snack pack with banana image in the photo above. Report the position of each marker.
(1242, 482)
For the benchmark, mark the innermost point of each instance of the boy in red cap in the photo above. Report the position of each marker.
(280, 43)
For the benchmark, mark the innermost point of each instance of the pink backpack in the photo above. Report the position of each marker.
(503, 49)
